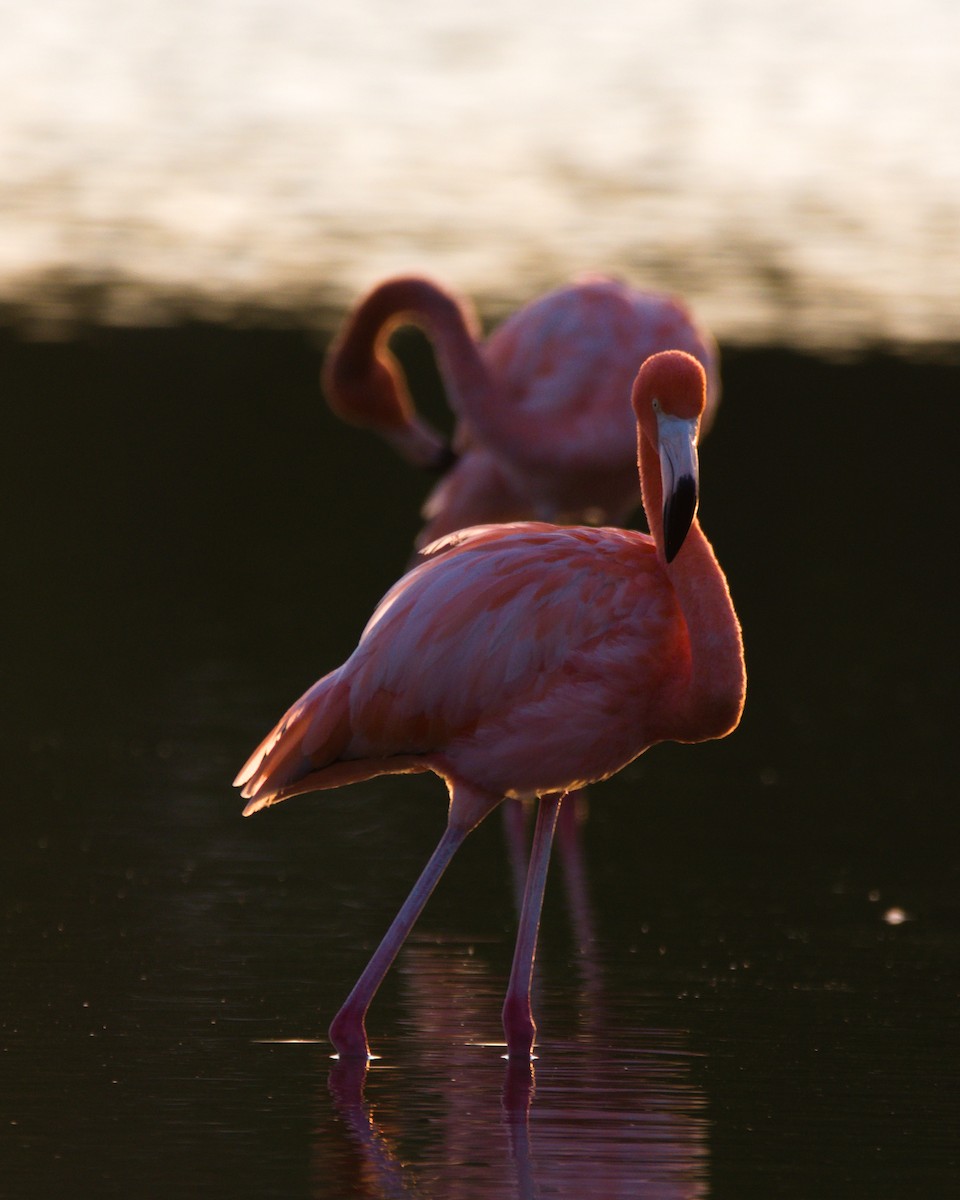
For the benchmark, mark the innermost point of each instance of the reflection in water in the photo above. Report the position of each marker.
(584, 1120)
(382, 1168)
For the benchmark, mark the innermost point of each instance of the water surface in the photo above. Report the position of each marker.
(749, 988)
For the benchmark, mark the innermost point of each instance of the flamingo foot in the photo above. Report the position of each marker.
(519, 1027)
(348, 1034)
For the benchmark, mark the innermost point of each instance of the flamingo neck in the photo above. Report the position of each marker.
(708, 700)
(366, 385)
(512, 433)
(362, 355)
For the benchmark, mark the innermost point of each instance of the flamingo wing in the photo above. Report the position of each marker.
(567, 632)
(527, 658)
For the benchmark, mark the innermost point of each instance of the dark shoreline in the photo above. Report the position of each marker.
(142, 453)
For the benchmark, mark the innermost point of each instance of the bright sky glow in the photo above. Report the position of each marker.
(794, 170)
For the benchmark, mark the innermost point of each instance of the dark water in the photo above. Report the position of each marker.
(729, 1001)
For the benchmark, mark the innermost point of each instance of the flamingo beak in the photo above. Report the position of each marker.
(680, 475)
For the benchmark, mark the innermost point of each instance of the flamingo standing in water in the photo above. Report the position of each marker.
(527, 660)
(544, 428)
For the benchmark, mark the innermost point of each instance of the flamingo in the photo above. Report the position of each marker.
(558, 369)
(544, 429)
(527, 660)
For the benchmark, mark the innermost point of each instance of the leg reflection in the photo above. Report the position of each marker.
(601, 1124)
(515, 1103)
(382, 1166)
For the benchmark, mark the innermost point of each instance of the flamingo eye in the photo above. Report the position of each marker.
(656, 405)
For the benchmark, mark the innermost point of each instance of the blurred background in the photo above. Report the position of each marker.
(747, 983)
(792, 170)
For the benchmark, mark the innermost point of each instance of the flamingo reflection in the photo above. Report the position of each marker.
(589, 1122)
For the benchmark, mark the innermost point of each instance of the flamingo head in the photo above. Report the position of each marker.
(669, 395)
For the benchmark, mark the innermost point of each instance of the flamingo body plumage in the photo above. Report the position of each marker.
(550, 633)
(544, 427)
(528, 660)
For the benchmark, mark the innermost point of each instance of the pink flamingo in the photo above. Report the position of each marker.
(527, 660)
(547, 435)
(544, 429)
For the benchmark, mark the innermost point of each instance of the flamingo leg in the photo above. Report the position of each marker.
(347, 1030)
(518, 1023)
(570, 848)
(515, 832)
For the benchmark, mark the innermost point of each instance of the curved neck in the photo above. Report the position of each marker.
(366, 385)
(709, 699)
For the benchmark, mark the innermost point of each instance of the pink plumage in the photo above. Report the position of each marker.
(528, 660)
(536, 624)
(545, 429)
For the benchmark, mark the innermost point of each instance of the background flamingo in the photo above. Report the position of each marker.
(526, 661)
(544, 428)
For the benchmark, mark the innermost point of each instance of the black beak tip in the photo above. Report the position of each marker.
(678, 514)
